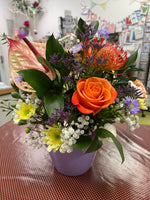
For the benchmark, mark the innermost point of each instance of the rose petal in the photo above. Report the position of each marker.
(84, 110)
(112, 99)
(74, 99)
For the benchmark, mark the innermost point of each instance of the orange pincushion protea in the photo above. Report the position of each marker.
(140, 84)
(115, 56)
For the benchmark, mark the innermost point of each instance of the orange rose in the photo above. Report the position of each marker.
(93, 94)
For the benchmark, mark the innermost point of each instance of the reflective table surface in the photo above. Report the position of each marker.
(28, 174)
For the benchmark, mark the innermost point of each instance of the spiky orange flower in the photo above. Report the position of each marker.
(115, 56)
(109, 58)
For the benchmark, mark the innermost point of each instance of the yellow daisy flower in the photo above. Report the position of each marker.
(52, 138)
(142, 104)
(24, 112)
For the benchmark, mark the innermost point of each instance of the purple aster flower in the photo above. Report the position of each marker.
(103, 33)
(132, 104)
(106, 32)
(77, 48)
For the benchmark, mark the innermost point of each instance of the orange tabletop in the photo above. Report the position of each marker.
(28, 174)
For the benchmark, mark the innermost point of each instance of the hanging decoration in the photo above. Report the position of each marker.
(142, 2)
(144, 8)
(133, 18)
(93, 4)
(101, 3)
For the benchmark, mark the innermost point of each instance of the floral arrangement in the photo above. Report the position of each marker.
(70, 99)
(29, 10)
(26, 7)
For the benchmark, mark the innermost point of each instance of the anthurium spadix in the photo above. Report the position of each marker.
(27, 55)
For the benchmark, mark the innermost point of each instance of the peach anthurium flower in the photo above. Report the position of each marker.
(21, 57)
(93, 94)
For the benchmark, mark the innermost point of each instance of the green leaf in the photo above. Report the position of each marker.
(83, 142)
(53, 101)
(81, 22)
(132, 58)
(95, 25)
(44, 62)
(133, 78)
(103, 133)
(130, 61)
(53, 46)
(78, 34)
(62, 70)
(134, 69)
(96, 144)
(39, 81)
(8, 113)
(122, 80)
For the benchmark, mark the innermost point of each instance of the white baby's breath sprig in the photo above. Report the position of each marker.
(71, 133)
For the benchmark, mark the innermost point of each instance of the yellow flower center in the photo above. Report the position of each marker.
(25, 111)
(131, 105)
(52, 138)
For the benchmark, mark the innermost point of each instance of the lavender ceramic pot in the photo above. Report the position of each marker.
(74, 163)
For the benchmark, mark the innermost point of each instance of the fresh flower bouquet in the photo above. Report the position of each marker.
(70, 99)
